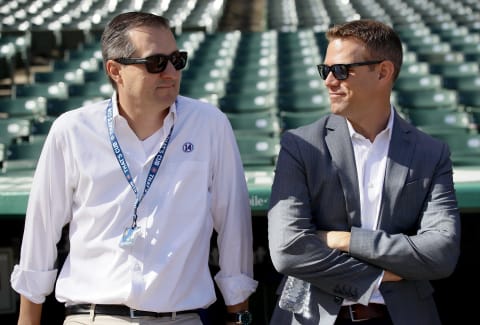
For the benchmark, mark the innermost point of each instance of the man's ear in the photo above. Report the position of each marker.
(387, 70)
(113, 70)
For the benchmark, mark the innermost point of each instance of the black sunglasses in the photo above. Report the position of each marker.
(157, 63)
(340, 71)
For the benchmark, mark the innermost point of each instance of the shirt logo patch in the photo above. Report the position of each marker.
(187, 147)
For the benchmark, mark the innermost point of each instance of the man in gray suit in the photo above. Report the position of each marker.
(363, 210)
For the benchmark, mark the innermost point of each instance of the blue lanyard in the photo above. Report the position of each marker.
(124, 166)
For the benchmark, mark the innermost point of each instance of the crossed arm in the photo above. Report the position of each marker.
(341, 240)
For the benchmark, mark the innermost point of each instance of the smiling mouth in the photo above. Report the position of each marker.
(335, 94)
(166, 86)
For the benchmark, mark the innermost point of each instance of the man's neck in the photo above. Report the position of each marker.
(144, 122)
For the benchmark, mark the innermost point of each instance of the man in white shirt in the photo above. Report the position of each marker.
(363, 212)
(143, 179)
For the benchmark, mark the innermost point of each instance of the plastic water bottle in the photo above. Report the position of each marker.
(295, 296)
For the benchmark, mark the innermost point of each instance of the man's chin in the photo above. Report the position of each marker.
(166, 94)
(337, 110)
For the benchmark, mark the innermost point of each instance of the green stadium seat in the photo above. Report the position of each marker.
(256, 87)
(251, 42)
(409, 57)
(263, 123)
(57, 106)
(94, 76)
(428, 98)
(440, 53)
(209, 47)
(15, 130)
(190, 40)
(209, 98)
(475, 111)
(438, 120)
(466, 83)
(465, 148)
(294, 50)
(27, 107)
(258, 150)
(469, 45)
(292, 120)
(471, 52)
(422, 42)
(70, 77)
(301, 84)
(199, 87)
(414, 69)
(469, 97)
(450, 31)
(84, 51)
(42, 125)
(303, 101)
(264, 57)
(432, 15)
(470, 19)
(410, 31)
(206, 71)
(452, 72)
(254, 73)
(239, 103)
(413, 82)
(46, 90)
(91, 90)
(24, 155)
(302, 72)
(89, 64)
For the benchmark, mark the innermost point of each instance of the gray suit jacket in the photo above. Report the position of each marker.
(316, 188)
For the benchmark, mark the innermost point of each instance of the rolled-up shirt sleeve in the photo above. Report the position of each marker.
(232, 218)
(34, 285)
(235, 289)
(47, 212)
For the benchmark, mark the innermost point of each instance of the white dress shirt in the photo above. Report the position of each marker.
(200, 186)
(371, 162)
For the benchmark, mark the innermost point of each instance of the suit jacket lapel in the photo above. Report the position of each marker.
(399, 158)
(340, 146)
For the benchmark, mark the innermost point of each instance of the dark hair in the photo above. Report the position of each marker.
(380, 39)
(115, 40)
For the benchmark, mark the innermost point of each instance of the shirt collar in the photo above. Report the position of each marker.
(169, 119)
(388, 128)
(115, 105)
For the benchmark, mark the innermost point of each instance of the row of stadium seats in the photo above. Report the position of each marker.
(65, 24)
(290, 15)
(267, 82)
(204, 14)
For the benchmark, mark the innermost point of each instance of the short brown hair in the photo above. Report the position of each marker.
(381, 40)
(115, 40)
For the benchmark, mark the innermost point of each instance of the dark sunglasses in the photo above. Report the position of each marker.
(340, 71)
(158, 63)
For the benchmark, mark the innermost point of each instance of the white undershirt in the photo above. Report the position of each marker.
(371, 161)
